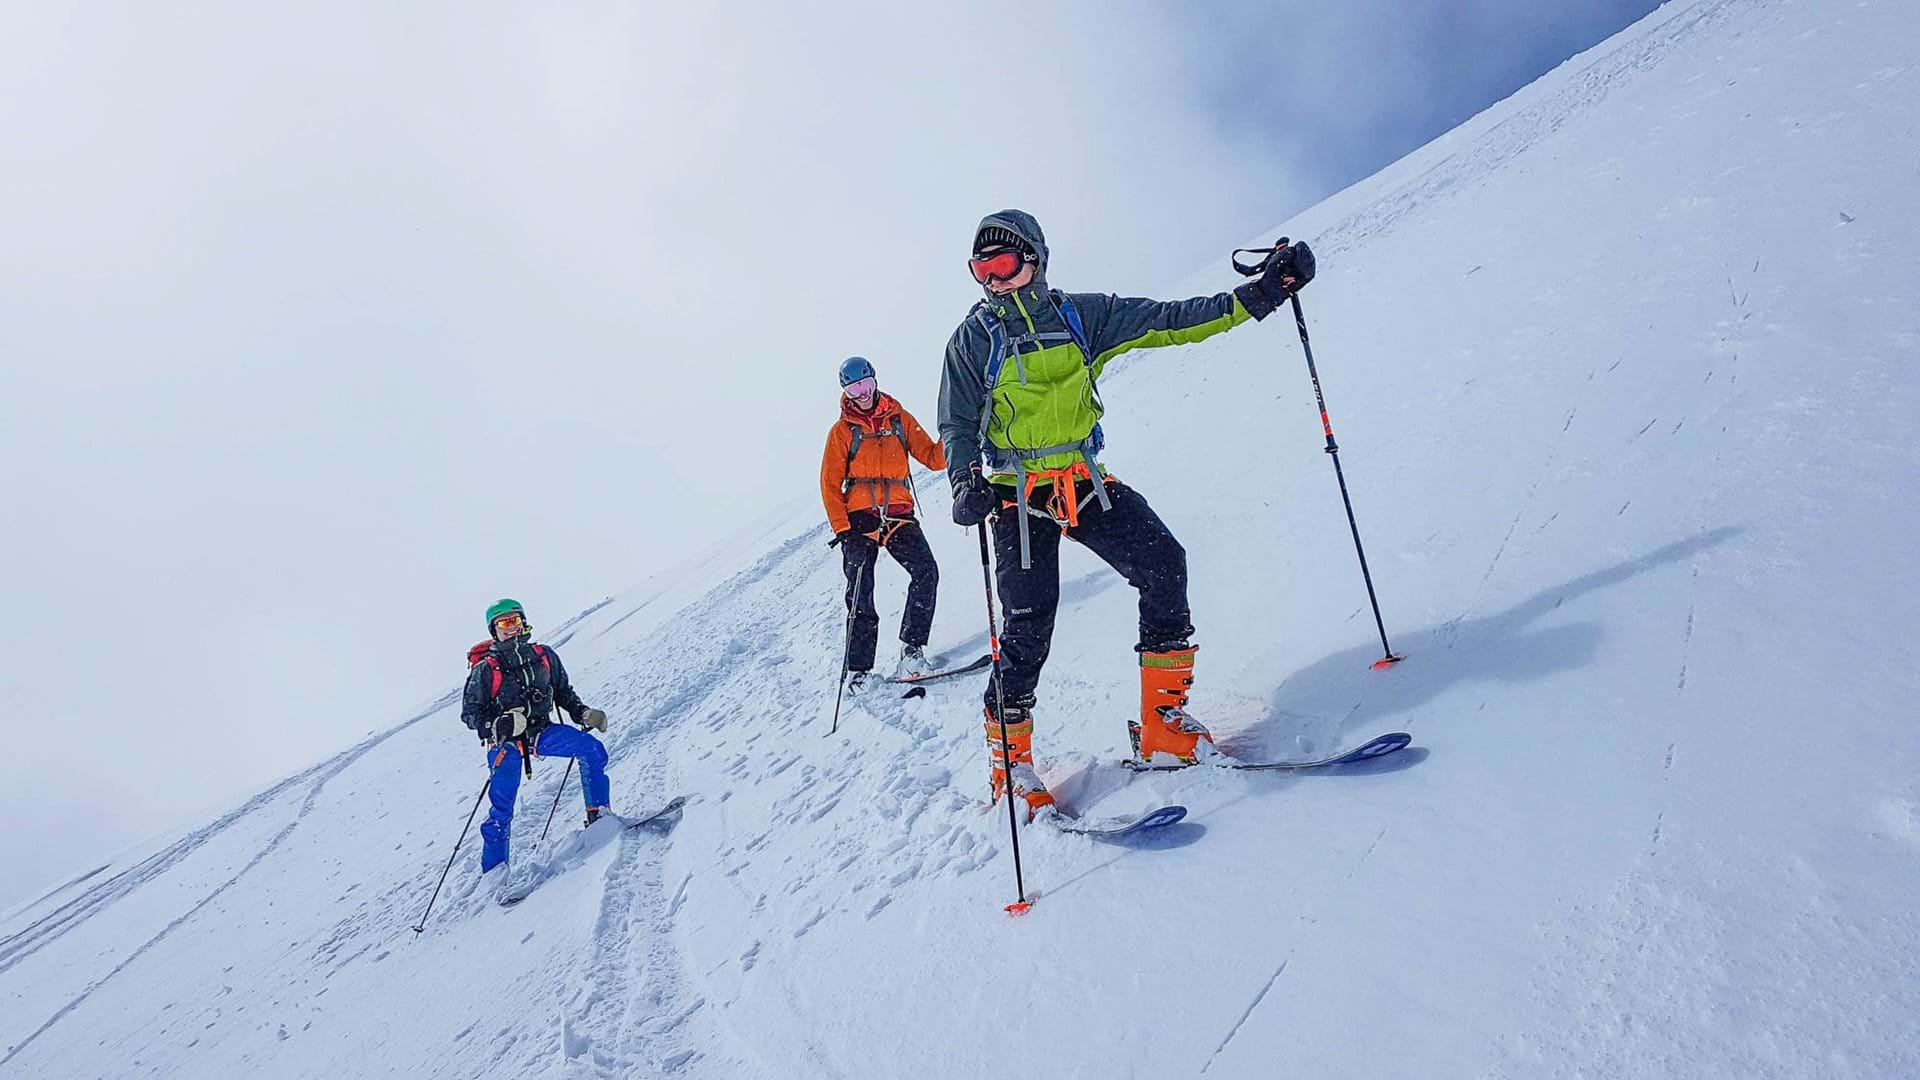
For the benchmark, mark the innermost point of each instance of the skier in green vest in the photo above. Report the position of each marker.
(1019, 417)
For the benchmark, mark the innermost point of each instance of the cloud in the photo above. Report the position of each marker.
(1338, 91)
(327, 324)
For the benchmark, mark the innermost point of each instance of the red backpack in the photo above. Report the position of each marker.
(483, 653)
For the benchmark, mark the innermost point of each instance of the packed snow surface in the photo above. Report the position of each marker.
(1624, 375)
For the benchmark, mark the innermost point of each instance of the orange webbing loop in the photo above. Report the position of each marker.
(888, 526)
(1063, 505)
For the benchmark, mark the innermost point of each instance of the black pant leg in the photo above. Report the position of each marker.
(1029, 600)
(908, 546)
(858, 559)
(1133, 540)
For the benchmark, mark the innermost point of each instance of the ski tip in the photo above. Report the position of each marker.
(1015, 910)
(1161, 818)
(1387, 661)
(1387, 744)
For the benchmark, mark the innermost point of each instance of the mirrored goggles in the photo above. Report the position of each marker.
(512, 624)
(861, 388)
(999, 265)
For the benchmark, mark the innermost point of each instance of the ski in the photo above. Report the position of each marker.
(569, 856)
(949, 673)
(1378, 746)
(1121, 825)
(673, 806)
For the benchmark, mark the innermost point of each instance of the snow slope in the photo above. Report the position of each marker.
(1624, 375)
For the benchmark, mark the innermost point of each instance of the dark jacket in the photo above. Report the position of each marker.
(516, 674)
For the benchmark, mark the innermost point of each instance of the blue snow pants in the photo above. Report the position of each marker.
(556, 741)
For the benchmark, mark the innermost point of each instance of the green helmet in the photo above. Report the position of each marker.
(501, 607)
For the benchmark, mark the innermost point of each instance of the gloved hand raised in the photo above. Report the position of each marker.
(1285, 272)
(591, 719)
(973, 500)
(510, 725)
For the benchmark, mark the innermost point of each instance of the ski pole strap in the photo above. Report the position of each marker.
(1266, 255)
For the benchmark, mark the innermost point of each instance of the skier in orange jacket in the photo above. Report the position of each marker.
(868, 494)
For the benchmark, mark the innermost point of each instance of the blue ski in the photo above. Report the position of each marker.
(1378, 746)
(1122, 825)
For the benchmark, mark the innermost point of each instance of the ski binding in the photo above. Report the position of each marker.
(947, 673)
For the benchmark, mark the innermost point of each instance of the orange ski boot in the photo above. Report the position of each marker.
(1164, 727)
(1019, 747)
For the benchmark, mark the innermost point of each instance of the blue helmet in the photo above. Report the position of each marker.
(853, 369)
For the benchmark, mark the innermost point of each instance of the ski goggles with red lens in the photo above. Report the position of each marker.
(512, 624)
(860, 388)
(1002, 265)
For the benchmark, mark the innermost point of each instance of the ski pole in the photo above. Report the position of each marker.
(564, 777)
(846, 642)
(1333, 449)
(1020, 906)
(456, 849)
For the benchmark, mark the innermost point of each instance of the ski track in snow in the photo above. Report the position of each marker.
(52, 927)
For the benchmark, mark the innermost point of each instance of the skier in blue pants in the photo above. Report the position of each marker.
(513, 686)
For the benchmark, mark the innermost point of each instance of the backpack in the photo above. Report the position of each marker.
(859, 434)
(483, 654)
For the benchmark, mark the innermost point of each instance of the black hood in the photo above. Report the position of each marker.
(1026, 227)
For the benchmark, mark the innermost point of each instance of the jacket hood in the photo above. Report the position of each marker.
(503, 649)
(1026, 227)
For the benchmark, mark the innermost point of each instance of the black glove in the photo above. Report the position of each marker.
(859, 544)
(1286, 272)
(973, 500)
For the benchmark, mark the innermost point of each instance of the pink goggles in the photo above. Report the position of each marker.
(860, 388)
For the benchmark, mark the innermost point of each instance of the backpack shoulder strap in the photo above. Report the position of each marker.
(1074, 326)
(996, 359)
(996, 342)
(541, 651)
(853, 451)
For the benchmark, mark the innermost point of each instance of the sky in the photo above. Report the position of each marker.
(324, 325)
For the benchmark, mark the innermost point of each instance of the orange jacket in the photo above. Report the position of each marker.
(878, 476)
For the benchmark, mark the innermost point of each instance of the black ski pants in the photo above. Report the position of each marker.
(860, 557)
(1130, 537)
